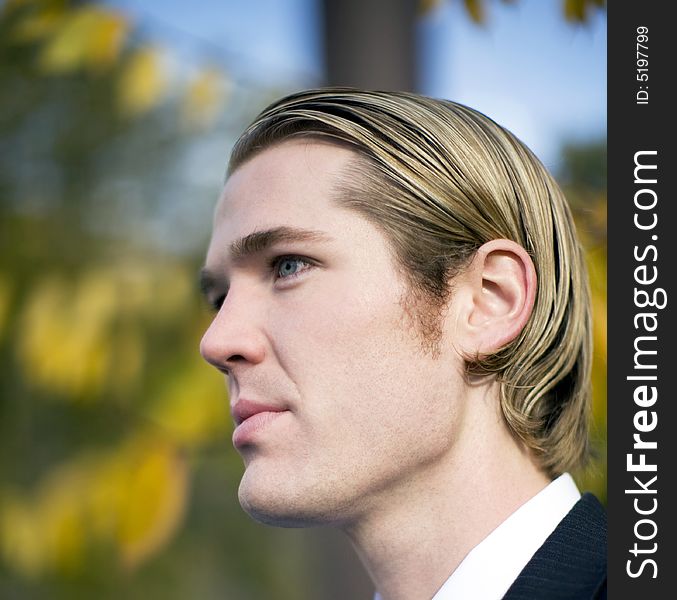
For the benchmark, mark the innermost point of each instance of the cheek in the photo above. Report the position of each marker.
(357, 363)
(372, 407)
(330, 332)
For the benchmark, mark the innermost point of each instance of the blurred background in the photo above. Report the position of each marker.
(117, 475)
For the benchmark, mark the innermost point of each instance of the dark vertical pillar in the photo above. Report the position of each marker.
(370, 43)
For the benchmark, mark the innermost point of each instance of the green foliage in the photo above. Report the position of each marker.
(116, 468)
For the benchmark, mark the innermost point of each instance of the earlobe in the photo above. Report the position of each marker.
(501, 290)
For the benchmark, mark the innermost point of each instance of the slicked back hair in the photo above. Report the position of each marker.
(440, 180)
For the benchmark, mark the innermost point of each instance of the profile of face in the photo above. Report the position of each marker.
(336, 401)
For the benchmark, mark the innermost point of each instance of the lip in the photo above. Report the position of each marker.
(251, 418)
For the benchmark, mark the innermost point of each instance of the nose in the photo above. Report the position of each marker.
(235, 336)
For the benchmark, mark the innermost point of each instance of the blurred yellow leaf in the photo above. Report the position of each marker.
(21, 537)
(89, 37)
(106, 41)
(60, 510)
(45, 531)
(154, 500)
(475, 9)
(597, 271)
(130, 499)
(79, 338)
(574, 10)
(62, 342)
(104, 493)
(142, 82)
(204, 97)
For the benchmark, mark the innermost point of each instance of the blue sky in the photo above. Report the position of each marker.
(527, 68)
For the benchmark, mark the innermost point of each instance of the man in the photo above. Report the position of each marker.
(403, 319)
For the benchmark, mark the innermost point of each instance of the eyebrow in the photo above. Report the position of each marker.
(258, 242)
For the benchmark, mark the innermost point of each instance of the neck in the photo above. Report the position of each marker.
(417, 532)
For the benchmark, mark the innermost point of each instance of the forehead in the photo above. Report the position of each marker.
(292, 177)
(292, 184)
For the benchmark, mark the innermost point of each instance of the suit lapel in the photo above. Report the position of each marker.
(571, 563)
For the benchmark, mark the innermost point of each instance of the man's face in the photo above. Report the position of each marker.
(340, 405)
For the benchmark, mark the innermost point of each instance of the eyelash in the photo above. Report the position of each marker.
(273, 266)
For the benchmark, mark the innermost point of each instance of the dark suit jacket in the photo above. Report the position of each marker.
(571, 563)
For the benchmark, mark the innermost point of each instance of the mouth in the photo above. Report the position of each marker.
(246, 409)
(251, 418)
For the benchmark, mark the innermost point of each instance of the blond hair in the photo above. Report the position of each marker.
(441, 179)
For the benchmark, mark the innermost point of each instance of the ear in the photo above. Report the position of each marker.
(497, 292)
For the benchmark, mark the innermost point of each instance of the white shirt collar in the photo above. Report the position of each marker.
(490, 568)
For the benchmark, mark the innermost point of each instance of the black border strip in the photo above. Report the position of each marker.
(640, 121)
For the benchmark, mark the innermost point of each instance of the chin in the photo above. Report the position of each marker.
(283, 502)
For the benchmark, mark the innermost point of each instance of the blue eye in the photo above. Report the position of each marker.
(288, 266)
